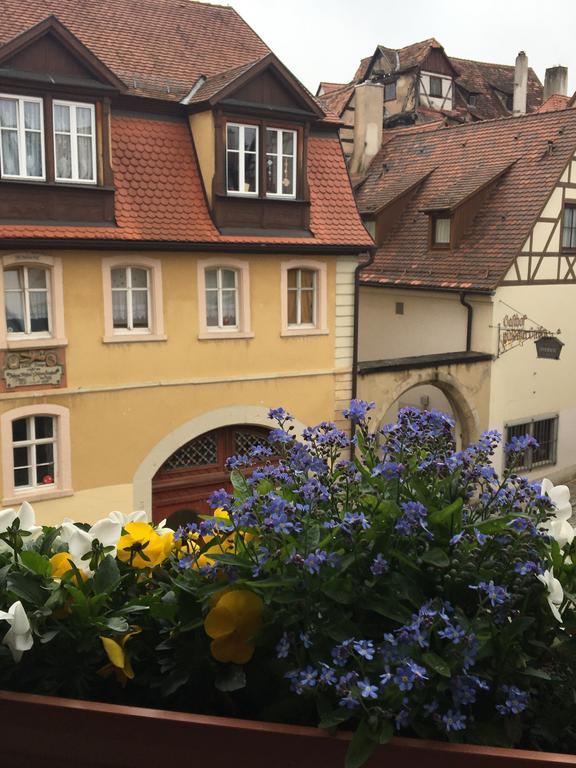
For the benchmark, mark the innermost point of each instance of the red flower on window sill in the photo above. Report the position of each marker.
(47, 480)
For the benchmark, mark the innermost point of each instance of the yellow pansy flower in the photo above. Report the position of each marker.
(142, 547)
(232, 623)
(61, 565)
(120, 662)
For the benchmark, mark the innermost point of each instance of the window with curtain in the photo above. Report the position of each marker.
(280, 162)
(302, 297)
(242, 159)
(569, 228)
(442, 230)
(21, 137)
(75, 142)
(221, 287)
(130, 299)
(27, 301)
(34, 451)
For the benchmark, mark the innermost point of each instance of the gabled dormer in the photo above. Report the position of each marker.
(250, 126)
(55, 151)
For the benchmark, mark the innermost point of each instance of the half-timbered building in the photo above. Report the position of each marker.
(178, 249)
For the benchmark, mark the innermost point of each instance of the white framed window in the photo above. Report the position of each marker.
(241, 159)
(21, 137)
(281, 154)
(303, 287)
(32, 301)
(545, 431)
(133, 306)
(442, 230)
(223, 299)
(35, 443)
(221, 287)
(75, 142)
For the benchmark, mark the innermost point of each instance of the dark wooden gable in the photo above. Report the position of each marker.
(437, 62)
(49, 56)
(267, 89)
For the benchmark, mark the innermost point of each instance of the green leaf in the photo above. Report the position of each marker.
(338, 594)
(436, 557)
(36, 562)
(493, 524)
(107, 575)
(386, 732)
(436, 663)
(26, 587)
(389, 608)
(536, 673)
(229, 559)
(362, 745)
(239, 484)
(117, 624)
(330, 720)
(449, 517)
(233, 678)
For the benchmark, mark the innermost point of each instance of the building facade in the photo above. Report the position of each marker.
(179, 243)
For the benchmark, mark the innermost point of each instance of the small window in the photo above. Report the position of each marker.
(441, 230)
(399, 307)
(34, 451)
(130, 299)
(221, 298)
(27, 301)
(21, 137)
(75, 142)
(436, 87)
(241, 159)
(390, 91)
(472, 99)
(509, 101)
(280, 163)
(545, 432)
(569, 227)
(301, 297)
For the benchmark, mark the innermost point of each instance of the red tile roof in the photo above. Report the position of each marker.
(500, 228)
(159, 195)
(555, 102)
(336, 101)
(329, 87)
(159, 48)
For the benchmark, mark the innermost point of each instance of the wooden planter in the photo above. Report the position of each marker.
(48, 732)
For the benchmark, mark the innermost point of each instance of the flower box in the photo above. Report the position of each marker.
(49, 732)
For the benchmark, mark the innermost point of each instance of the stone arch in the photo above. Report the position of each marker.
(255, 415)
(447, 383)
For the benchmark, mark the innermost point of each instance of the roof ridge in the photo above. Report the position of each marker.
(488, 63)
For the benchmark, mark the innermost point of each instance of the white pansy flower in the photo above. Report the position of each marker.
(139, 516)
(558, 526)
(162, 529)
(555, 591)
(27, 520)
(19, 636)
(79, 542)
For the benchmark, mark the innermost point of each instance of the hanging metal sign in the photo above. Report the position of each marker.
(517, 328)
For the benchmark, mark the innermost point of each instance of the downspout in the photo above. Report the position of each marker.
(359, 268)
(469, 319)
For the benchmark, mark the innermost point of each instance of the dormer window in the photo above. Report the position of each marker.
(241, 159)
(390, 91)
(441, 231)
(280, 162)
(21, 137)
(75, 142)
(436, 87)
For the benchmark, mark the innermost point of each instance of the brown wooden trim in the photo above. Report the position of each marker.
(538, 282)
(107, 160)
(48, 139)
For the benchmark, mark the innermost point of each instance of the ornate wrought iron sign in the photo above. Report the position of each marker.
(517, 328)
(549, 346)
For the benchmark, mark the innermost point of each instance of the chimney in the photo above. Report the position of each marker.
(556, 81)
(520, 84)
(368, 120)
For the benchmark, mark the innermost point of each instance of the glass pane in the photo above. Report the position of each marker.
(45, 474)
(292, 307)
(229, 308)
(20, 457)
(307, 278)
(120, 309)
(211, 308)
(118, 277)
(249, 173)
(8, 113)
(14, 312)
(293, 278)
(250, 139)
(32, 115)
(139, 278)
(38, 311)
(233, 170)
(271, 141)
(287, 176)
(287, 142)
(272, 175)
(45, 453)
(307, 307)
(84, 120)
(21, 477)
(85, 167)
(36, 278)
(211, 277)
(442, 231)
(10, 161)
(61, 118)
(233, 133)
(13, 280)
(63, 157)
(140, 309)
(44, 426)
(228, 278)
(19, 430)
(33, 154)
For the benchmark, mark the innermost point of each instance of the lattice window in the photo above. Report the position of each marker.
(244, 441)
(197, 453)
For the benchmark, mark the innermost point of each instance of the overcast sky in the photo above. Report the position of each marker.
(325, 39)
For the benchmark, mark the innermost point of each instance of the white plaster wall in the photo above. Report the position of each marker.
(434, 101)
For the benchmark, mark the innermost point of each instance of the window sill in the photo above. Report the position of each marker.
(217, 336)
(38, 343)
(126, 338)
(37, 495)
(304, 332)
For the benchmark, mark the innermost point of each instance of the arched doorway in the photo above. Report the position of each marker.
(183, 483)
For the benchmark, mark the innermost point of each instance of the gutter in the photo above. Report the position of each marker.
(469, 320)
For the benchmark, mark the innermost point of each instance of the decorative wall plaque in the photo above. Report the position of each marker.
(32, 368)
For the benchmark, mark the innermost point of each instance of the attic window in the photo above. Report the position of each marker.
(436, 87)
(509, 101)
(472, 99)
(390, 91)
(441, 231)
